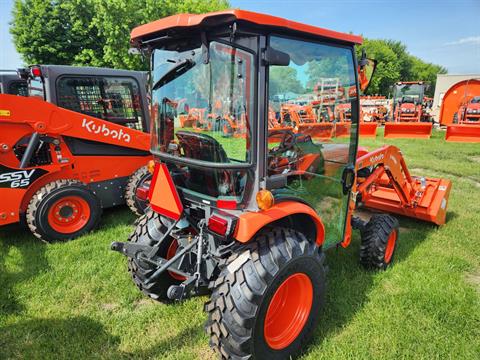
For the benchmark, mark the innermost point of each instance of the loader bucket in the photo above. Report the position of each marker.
(342, 129)
(317, 130)
(368, 129)
(413, 130)
(463, 133)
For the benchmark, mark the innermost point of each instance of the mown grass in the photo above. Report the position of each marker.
(75, 300)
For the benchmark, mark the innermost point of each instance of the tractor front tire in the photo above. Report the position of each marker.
(149, 231)
(63, 210)
(137, 179)
(379, 241)
(267, 299)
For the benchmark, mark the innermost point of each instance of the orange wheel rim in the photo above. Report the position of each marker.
(69, 214)
(172, 250)
(392, 239)
(288, 311)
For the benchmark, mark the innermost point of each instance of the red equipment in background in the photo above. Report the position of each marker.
(460, 111)
(410, 118)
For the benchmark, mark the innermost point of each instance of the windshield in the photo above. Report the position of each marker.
(202, 111)
(408, 92)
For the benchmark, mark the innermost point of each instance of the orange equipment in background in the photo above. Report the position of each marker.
(59, 168)
(304, 121)
(460, 111)
(410, 118)
(384, 183)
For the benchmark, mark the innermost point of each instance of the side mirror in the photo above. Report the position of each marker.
(366, 69)
(275, 57)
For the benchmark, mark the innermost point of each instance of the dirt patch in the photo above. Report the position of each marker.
(109, 307)
(143, 302)
(474, 159)
(206, 353)
(474, 279)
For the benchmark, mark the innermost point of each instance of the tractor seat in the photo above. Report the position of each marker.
(202, 147)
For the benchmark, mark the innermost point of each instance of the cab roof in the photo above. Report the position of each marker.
(201, 21)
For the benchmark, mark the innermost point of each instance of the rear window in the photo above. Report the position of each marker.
(19, 87)
(114, 99)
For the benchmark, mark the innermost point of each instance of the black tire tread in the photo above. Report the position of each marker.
(237, 294)
(37, 198)
(374, 240)
(131, 188)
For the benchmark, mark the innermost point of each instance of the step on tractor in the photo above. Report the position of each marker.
(11, 83)
(248, 220)
(462, 103)
(410, 117)
(78, 143)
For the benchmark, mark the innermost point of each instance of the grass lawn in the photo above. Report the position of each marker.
(76, 300)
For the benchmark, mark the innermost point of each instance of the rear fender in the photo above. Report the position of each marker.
(250, 223)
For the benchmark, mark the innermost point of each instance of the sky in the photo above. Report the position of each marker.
(444, 32)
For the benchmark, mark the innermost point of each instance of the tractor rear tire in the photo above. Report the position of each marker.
(63, 210)
(267, 299)
(379, 242)
(137, 179)
(149, 231)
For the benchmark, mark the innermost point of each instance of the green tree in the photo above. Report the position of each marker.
(284, 79)
(90, 32)
(396, 64)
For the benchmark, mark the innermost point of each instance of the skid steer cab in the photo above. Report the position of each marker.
(78, 143)
(248, 218)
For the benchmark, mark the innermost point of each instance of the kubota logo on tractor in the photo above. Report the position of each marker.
(103, 129)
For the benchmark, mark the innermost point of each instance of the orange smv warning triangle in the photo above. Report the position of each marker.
(163, 195)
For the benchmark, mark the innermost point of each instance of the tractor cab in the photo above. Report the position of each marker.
(117, 96)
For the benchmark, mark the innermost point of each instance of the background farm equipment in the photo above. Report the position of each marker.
(75, 145)
(250, 218)
(410, 118)
(460, 111)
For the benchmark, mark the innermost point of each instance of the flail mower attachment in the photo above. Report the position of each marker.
(384, 183)
(463, 133)
(408, 130)
(368, 129)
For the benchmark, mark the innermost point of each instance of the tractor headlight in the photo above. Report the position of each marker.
(469, 111)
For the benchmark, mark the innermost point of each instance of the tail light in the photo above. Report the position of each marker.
(36, 71)
(218, 225)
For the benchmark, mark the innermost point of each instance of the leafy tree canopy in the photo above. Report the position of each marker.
(96, 33)
(90, 32)
(394, 64)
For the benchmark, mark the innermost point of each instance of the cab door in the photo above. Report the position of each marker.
(312, 128)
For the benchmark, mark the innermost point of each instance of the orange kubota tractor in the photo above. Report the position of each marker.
(77, 144)
(249, 220)
(410, 118)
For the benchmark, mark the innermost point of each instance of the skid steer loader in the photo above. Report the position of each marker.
(249, 219)
(76, 145)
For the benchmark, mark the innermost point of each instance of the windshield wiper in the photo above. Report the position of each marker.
(180, 68)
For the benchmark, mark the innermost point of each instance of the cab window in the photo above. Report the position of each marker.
(114, 99)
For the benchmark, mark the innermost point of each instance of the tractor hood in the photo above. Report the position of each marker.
(192, 22)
